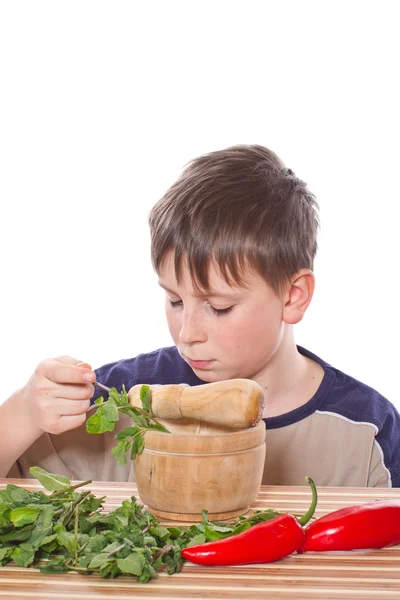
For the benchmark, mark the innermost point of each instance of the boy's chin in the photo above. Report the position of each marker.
(210, 376)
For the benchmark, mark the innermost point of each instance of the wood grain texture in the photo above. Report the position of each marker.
(359, 575)
(236, 404)
(179, 475)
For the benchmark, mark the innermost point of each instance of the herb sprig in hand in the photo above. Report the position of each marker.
(130, 439)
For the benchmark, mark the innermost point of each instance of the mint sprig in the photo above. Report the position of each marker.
(131, 439)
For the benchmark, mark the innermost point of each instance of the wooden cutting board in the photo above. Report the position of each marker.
(360, 575)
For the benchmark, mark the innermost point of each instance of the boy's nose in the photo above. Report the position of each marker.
(192, 329)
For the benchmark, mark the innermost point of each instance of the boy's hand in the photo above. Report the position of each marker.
(57, 396)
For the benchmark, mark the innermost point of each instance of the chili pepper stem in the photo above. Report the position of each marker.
(307, 516)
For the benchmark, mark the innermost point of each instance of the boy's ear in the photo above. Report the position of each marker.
(298, 296)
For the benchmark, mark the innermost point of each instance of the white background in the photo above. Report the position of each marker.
(103, 103)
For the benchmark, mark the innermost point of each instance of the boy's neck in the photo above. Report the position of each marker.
(290, 380)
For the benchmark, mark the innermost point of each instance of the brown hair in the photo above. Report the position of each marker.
(238, 207)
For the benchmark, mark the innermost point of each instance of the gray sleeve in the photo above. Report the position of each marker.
(378, 474)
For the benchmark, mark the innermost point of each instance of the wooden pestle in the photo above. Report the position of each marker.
(233, 404)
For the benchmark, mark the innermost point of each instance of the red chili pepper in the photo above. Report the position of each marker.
(265, 542)
(373, 525)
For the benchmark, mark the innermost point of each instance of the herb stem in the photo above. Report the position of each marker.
(70, 488)
(71, 568)
(74, 505)
(76, 525)
(162, 551)
(121, 547)
(148, 416)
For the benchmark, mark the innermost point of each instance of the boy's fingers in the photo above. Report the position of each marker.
(68, 408)
(69, 360)
(65, 370)
(84, 365)
(75, 392)
(68, 423)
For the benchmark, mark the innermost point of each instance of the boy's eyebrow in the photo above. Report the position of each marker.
(213, 293)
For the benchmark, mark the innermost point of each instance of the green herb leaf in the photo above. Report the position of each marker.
(159, 531)
(145, 397)
(133, 564)
(119, 451)
(5, 554)
(24, 515)
(211, 534)
(241, 527)
(18, 494)
(115, 397)
(99, 561)
(4, 515)
(66, 539)
(55, 566)
(21, 534)
(197, 539)
(50, 481)
(43, 526)
(98, 423)
(111, 411)
(23, 555)
(14, 493)
(127, 432)
(137, 446)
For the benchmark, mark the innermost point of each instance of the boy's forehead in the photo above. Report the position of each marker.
(218, 285)
(195, 291)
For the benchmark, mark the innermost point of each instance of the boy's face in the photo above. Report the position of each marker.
(236, 342)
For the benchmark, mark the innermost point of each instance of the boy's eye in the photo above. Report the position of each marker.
(216, 311)
(176, 303)
(221, 311)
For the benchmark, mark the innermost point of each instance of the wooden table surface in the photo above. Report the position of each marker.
(358, 574)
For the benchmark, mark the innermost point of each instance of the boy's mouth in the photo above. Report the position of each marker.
(199, 364)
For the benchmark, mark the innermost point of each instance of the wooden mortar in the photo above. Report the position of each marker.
(178, 475)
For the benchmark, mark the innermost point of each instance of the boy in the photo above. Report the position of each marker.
(233, 243)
